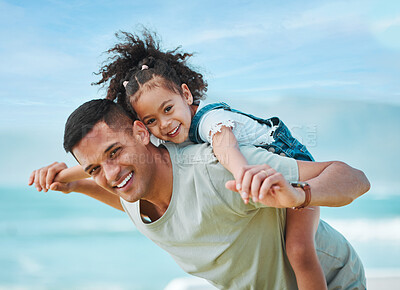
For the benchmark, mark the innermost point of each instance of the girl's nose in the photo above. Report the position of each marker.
(164, 123)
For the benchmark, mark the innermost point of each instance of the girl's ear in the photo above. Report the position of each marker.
(187, 94)
(140, 132)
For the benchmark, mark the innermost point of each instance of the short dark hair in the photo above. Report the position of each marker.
(86, 116)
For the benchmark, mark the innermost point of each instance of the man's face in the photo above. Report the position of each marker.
(118, 160)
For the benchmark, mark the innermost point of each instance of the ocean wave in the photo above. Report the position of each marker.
(66, 227)
(364, 230)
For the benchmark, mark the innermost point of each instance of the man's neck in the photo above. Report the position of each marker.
(157, 201)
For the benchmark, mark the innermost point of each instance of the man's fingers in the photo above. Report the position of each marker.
(270, 186)
(231, 185)
(239, 177)
(53, 170)
(58, 186)
(246, 183)
(253, 178)
(256, 183)
(42, 179)
(37, 180)
(31, 178)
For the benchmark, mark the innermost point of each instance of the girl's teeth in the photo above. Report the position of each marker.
(173, 132)
(122, 184)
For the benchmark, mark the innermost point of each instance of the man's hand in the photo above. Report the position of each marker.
(267, 186)
(44, 178)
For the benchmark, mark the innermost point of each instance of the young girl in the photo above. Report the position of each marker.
(162, 91)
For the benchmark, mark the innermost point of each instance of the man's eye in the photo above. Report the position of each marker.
(114, 152)
(94, 170)
(167, 109)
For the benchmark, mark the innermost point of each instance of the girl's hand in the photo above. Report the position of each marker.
(44, 178)
(249, 179)
(263, 184)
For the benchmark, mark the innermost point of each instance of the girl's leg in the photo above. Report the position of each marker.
(301, 226)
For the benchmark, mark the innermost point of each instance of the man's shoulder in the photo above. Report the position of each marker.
(285, 165)
(190, 153)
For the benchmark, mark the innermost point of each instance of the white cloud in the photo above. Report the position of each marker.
(387, 32)
(302, 85)
(326, 14)
(225, 33)
(384, 24)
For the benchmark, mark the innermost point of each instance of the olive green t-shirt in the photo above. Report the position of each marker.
(211, 233)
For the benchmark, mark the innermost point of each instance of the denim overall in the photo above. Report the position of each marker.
(285, 144)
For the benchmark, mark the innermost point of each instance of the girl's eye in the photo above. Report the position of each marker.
(167, 109)
(150, 121)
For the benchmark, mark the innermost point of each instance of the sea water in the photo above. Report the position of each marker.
(57, 241)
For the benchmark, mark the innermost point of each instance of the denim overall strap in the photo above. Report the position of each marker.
(194, 135)
(284, 144)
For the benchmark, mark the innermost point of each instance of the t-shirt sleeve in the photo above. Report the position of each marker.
(219, 175)
(213, 121)
(156, 141)
(285, 165)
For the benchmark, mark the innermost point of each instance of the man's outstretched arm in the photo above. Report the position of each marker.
(332, 183)
(45, 179)
(335, 183)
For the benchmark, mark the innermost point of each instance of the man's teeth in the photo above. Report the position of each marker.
(122, 184)
(173, 132)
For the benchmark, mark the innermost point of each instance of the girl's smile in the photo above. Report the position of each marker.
(175, 132)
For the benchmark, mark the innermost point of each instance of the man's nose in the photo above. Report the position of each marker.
(111, 171)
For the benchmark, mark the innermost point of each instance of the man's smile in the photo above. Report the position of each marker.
(125, 181)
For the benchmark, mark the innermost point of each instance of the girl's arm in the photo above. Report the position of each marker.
(90, 188)
(48, 178)
(226, 149)
(57, 171)
(71, 174)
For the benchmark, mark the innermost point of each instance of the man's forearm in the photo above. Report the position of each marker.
(90, 188)
(337, 184)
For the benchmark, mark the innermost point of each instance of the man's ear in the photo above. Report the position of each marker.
(140, 132)
(187, 94)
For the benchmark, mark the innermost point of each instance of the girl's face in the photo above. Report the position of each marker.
(166, 113)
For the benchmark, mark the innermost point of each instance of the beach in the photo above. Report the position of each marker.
(383, 283)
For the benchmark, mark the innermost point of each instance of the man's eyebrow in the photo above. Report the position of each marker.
(160, 107)
(105, 152)
(110, 147)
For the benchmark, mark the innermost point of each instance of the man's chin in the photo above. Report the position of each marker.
(128, 197)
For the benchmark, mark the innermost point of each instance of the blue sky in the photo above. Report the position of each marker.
(261, 52)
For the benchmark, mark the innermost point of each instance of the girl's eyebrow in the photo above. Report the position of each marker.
(159, 108)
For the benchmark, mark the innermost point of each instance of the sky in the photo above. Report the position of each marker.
(314, 55)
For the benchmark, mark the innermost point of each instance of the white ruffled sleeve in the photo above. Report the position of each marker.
(213, 121)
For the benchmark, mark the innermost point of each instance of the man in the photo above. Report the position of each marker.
(176, 196)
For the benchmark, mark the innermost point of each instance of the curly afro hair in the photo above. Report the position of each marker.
(137, 60)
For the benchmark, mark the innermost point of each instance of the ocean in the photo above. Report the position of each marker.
(57, 241)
